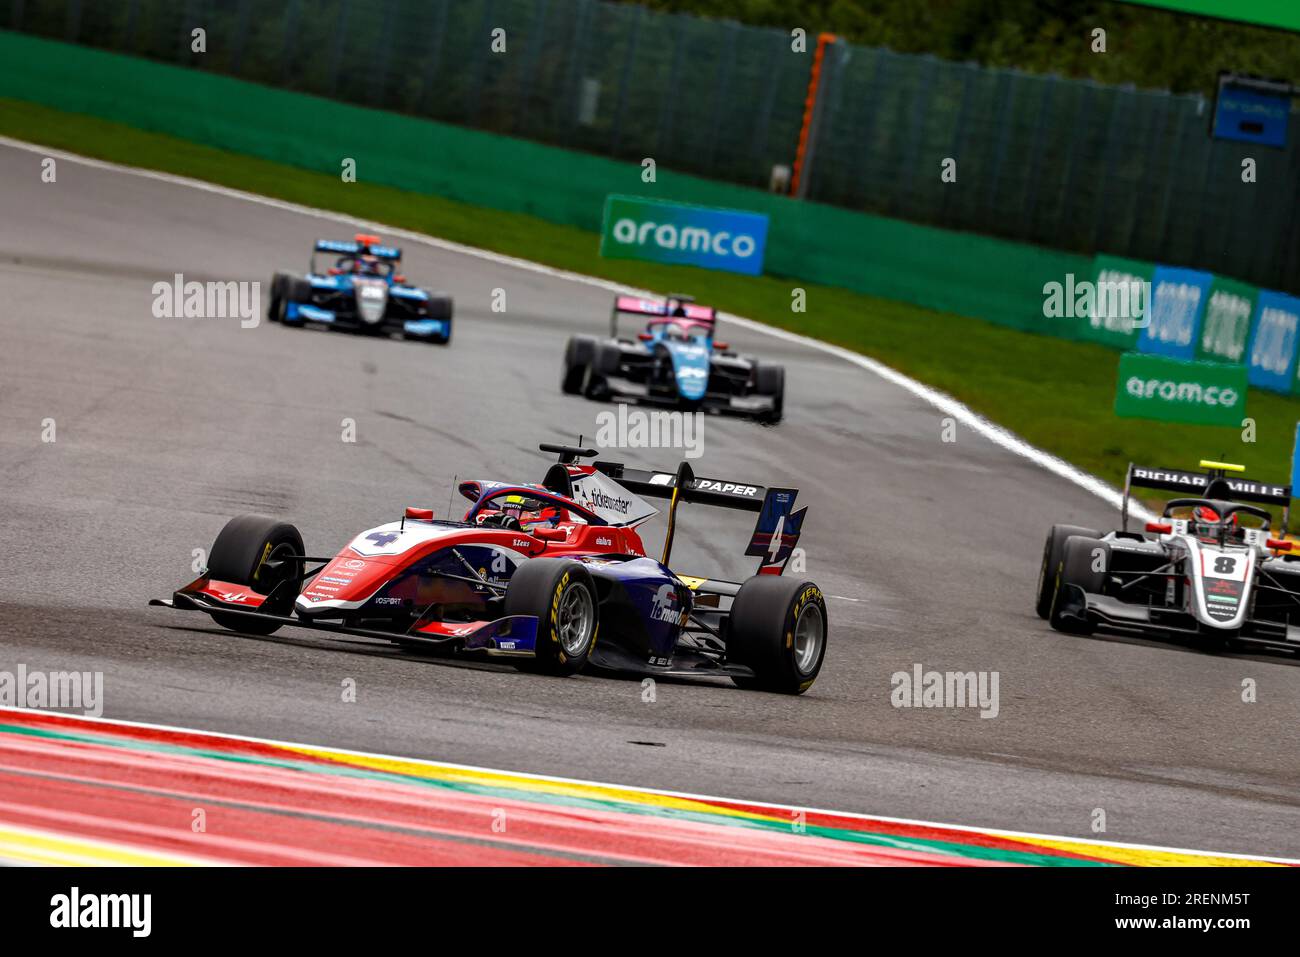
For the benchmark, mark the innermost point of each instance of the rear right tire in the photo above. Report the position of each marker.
(777, 628)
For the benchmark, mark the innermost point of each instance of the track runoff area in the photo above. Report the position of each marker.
(107, 785)
(78, 792)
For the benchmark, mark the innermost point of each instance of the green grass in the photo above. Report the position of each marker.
(1055, 393)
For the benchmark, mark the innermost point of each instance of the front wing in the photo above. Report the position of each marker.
(515, 636)
(1106, 611)
(629, 387)
(349, 320)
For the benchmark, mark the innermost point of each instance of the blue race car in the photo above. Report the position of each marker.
(676, 361)
(361, 292)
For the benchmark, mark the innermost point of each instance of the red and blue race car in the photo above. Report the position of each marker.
(552, 576)
(361, 292)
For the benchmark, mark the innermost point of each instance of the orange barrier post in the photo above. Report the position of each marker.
(809, 109)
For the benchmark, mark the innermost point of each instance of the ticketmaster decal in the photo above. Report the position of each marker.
(725, 239)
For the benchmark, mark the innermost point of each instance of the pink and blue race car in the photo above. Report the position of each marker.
(676, 361)
(362, 291)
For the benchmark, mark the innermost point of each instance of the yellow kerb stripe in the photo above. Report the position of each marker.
(504, 780)
(39, 847)
(1136, 856)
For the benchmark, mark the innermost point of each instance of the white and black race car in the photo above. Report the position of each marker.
(1210, 569)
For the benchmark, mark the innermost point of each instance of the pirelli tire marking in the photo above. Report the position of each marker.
(261, 562)
(555, 610)
(808, 594)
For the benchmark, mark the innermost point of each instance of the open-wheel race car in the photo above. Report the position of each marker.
(1210, 569)
(675, 361)
(552, 576)
(361, 292)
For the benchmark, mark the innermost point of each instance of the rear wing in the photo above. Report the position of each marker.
(673, 305)
(352, 248)
(1216, 482)
(776, 532)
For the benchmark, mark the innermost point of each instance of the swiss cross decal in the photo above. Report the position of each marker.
(382, 538)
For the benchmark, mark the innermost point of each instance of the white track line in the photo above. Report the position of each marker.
(945, 403)
(686, 795)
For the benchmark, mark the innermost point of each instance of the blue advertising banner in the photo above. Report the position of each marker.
(726, 239)
(1271, 357)
(1178, 298)
(1248, 116)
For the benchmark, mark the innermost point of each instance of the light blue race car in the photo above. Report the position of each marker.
(676, 361)
(361, 292)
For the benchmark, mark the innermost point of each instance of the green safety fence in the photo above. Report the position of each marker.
(1040, 159)
(967, 274)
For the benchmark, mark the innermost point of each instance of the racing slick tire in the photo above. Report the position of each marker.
(561, 595)
(238, 556)
(279, 285)
(577, 356)
(439, 308)
(770, 380)
(1077, 568)
(439, 305)
(1052, 552)
(777, 628)
(604, 363)
(292, 289)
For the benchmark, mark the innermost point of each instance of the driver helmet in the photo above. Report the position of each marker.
(366, 264)
(1207, 519)
(513, 507)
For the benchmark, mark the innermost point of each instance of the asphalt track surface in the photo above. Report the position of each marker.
(167, 427)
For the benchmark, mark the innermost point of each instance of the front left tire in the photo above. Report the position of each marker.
(769, 380)
(1053, 549)
(604, 363)
(1083, 565)
(439, 308)
(279, 284)
(578, 354)
(242, 555)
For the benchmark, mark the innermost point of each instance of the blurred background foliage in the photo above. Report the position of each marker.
(1150, 48)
